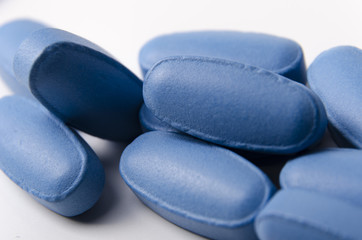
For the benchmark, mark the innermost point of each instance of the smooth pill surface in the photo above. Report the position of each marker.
(201, 187)
(336, 76)
(80, 83)
(47, 159)
(300, 215)
(336, 172)
(234, 104)
(150, 123)
(276, 54)
(12, 35)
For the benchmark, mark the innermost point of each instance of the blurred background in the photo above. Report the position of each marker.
(122, 27)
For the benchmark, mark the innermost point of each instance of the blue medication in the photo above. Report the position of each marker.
(11, 36)
(47, 159)
(336, 76)
(80, 83)
(299, 215)
(336, 172)
(198, 186)
(234, 104)
(150, 123)
(276, 54)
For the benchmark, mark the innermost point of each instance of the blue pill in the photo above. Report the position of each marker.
(198, 186)
(234, 104)
(47, 159)
(80, 83)
(299, 215)
(276, 54)
(336, 172)
(149, 122)
(11, 36)
(336, 76)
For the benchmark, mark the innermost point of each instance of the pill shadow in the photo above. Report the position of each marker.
(272, 164)
(110, 198)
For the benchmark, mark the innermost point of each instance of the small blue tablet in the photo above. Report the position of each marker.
(234, 104)
(276, 54)
(295, 214)
(336, 76)
(198, 186)
(47, 159)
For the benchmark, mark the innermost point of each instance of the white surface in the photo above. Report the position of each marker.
(122, 27)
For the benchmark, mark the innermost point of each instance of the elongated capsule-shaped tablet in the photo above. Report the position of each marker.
(336, 76)
(234, 104)
(47, 159)
(336, 172)
(80, 83)
(276, 54)
(12, 34)
(299, 215)
(201, 187)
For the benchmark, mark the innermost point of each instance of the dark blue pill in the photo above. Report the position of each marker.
(80, 83)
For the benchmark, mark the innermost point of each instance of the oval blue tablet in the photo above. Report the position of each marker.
(300, 215)
(201, 187)
(276, 54)
(80, 83)
(336, 172)
(12, 35)
(336, 76)
(150, 123)
(234, 104)
(47, 159)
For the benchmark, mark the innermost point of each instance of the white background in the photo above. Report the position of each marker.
(122, 27)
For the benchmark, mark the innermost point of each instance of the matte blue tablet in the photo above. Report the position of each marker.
(150, 123)
(198, 186)
(234, 104)
(299, 215)
(336, 76)
(276, 54)
(336, 172)
(47, 159)
(11, 36)
(80, 83)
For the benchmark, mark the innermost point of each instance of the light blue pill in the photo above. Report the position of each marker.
(47, 159)
(149, 122)
(11, 36)
(276, 54)
(234, 104)
(299, 215)
(336, 76)
(80, 83)
(198, 186)
(336, 172)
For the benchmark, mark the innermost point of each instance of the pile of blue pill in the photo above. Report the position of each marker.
(211, 105)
